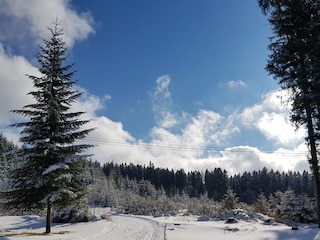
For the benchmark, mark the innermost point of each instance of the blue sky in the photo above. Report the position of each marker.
(201, 46)
(179, 83)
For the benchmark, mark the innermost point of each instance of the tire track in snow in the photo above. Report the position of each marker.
(135, 228)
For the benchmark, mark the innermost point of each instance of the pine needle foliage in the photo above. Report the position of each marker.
(48, 171)
(294, 61)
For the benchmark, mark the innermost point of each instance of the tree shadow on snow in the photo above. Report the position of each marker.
(300, 234)
(30, 223)
(3, 237)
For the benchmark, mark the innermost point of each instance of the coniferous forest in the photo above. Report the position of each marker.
(138, 189)
(213, 183)
(148, 189)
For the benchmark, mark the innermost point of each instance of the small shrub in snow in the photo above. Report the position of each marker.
(204, 218)
(158, 215)
(230, 200)
(106, 217)
(202, 206)
(70, 215)
(262, 204)
(269, 221)
(239, 214)
(231, 220)
(186, 214)
(95, 218)
(229, 229)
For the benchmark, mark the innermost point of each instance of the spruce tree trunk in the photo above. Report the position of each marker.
(48, 222)
(314, 161)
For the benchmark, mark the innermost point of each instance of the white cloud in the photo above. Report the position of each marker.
(14, 85)
(277, 127)
(88, 103)
(107, 97)
(161, 103)
(190, 142)
(288, 159)
(168, 120)
(162, 87)
(236, 84)
(31, 18)
(202, 128)
(271, 118)
(199, 144)
(240, 159)
(245, 158)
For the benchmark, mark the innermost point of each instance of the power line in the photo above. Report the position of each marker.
(173, 147)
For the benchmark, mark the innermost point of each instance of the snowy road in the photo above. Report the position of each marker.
(134, 228)
(127, 227)
(120, 227)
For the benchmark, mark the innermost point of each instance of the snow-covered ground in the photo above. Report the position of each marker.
(120, 227)
(127, 227)
(190, 228)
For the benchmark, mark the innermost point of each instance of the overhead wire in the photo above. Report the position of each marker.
(176, 147)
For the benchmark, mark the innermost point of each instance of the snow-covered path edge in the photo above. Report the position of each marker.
(120, 227)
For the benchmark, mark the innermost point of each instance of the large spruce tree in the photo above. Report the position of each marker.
(295, 63)
(49, 163)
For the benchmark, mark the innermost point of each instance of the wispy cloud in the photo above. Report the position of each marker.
(236, 84)
(168, 120)
(161, 103)
(201, 140)
(199, 144)
(162, 87)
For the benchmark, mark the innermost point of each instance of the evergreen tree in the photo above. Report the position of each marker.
(195, 184)
(5, 159)
(216, 183)
(230, 200)
(291, 207)
(262, 204)
(49, 166)
(181, 181)
(295, 62)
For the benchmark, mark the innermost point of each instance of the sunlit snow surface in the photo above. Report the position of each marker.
(127, 227)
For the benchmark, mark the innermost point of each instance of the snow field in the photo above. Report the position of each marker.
(188, 228)
(128, 227)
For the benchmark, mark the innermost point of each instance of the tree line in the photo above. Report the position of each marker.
(146, 189)
(214, 183)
